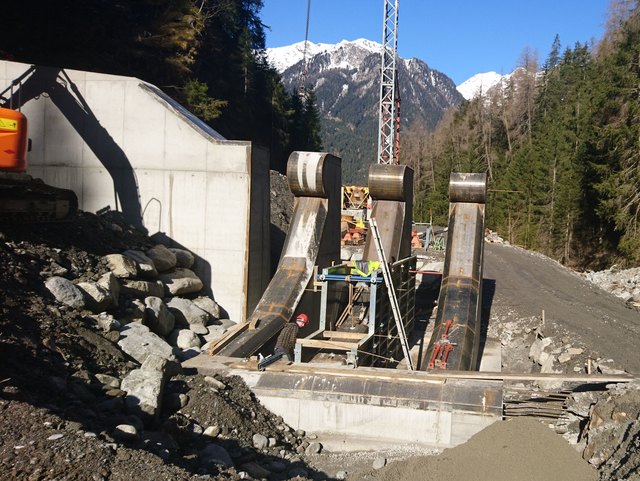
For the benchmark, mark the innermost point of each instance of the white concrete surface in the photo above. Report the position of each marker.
(119, 142)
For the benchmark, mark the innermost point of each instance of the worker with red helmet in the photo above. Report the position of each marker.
(286, 341)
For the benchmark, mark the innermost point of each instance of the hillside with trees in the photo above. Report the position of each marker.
(560, 144)
(208, 54)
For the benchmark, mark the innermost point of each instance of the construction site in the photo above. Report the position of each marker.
(144, 294)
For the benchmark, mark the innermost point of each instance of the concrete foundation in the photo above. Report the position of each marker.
(121, 143)
(371, 408)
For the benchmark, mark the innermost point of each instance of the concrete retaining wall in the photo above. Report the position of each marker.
(119, 142)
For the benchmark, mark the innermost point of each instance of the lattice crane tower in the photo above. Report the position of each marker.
(389, 120)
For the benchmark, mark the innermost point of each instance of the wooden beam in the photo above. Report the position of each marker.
(343, 335)
(323, 344)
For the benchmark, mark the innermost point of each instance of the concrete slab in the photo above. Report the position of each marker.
(369, 407)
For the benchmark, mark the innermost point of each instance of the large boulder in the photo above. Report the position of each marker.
(139, 342)
(184, 258)
(145, 388)
(158, 317)
(184, 339)
(109, 282)
(162, 258)
(146, 266)
(189, 315)
(65, 292)
(97, 299)
(142, 289)
(121, 266)
(209, 306)
(181, 281)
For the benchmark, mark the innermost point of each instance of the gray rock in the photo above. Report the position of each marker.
(106, 322)
(146, 267)
(142, 289)
(313, 448)
(181, 281)
(213, 382)
(537, 348)
(379, 463)
(158, 316)
(96, 298)
(216, 455)
(154, 362)
(184, 339)
(341, 475)
(212, 431)
(65, 292)
(184, 258)
(144, 388)
(189, 315)
(108, 381)
(125, 432)
(121, 266)
(209, 306)
(55, 437)
(260, 441)
(162, 258)
(109, 283)
(300, 433)
(564, 357)
(272, 442)
(139, 342)
(214, 333)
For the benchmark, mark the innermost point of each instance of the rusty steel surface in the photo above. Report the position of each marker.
(308, 181)
(456, 336)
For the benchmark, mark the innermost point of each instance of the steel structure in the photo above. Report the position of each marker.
(389, 120)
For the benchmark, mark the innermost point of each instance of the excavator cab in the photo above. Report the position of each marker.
(22, 198)
(13, 141)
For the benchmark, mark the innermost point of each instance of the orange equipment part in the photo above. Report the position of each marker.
(13, 141)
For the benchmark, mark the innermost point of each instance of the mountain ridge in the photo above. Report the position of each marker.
(345, 78)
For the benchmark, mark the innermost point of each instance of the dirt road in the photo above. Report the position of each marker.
(527, 283)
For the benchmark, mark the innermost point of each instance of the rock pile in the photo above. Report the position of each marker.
(623, 283)
(92, 333)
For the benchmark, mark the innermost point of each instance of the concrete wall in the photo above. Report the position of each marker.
(120, 142)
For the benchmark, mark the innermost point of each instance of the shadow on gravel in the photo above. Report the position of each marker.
(488, 292)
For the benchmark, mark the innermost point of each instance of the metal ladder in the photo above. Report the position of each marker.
(395, 308)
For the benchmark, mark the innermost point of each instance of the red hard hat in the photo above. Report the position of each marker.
(303, 318)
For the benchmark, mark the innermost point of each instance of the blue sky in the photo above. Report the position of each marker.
(458, 37)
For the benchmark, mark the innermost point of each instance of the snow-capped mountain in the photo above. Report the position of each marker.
(284, 57)
(346, 80)
(480, 84)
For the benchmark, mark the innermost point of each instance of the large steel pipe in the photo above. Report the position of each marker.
(456, 335)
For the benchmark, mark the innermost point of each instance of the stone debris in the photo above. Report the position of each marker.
(65, 292)
(97, 298)
(141, 289)
(139, 342)
(158, 316)
(184, 258)
(146, 266)
(122, 266)
(181, 281)
(623, 283)
(209, 306)
(162, 258)
(144, 388)
(184, 339)
(189, 315)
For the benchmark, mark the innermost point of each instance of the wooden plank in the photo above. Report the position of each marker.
(343, 335)
(321, 344)
(443, 375)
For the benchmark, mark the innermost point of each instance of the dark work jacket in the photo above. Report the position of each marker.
(286, 341)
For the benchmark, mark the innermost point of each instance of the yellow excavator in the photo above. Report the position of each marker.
(23, 198)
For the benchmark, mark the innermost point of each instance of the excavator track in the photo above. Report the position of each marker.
(25, 199)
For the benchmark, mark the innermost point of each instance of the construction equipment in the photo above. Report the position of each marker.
(389, 119)
(23, 198)
(395, 307)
